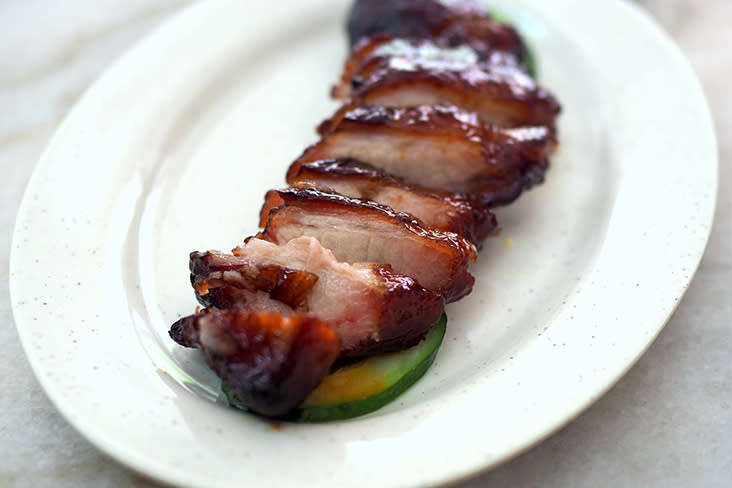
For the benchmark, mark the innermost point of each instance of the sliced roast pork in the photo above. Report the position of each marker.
(447, 22)
(440, 122)
(408, 72)
(271, 361)
(438, 147)
(363, 231)
(373, 309)
(443, 211)
(226, 281)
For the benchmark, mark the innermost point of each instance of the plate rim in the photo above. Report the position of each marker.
(188, 14)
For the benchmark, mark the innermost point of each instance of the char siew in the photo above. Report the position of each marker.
(441, 121)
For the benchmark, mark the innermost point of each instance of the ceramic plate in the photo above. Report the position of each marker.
(172, 151)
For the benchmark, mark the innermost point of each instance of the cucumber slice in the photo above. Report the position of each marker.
(366, 386)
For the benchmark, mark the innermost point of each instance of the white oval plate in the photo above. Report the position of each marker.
(172, 151)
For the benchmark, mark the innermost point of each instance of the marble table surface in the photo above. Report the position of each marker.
(667, 423)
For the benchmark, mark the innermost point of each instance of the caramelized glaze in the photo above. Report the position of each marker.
(408, 72)
(448, 23)
(444, 211)
(438, 147)
(270, 361)
(359, 231)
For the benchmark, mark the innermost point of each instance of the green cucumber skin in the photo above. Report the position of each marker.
(370, 404)
(531, 62)
(232, 400)
(367, 405)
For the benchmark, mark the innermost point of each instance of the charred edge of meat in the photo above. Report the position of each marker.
(330, 171)
(360, 53)
(345, 167)
(535, 145)
(483, 160)
(495, 102)
(358, 300)
(377, 56)
(317, 198)
(217, 277)
(272, 199)
(271, 362)
(329, 217)
(457, 213)
(183, 332)
(405, 326)
(408, 72)
(407, 312)
(492, 193)
(428, 119)
(441, 120)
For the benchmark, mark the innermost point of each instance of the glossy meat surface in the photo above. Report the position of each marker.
(409, 72)
(449, 23)
(372, 308)
(438, 147)
(271, 362)
(443, 211)
(359, 231)
(405, 18)
(226, 281)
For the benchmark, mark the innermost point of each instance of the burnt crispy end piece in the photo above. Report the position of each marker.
(409, 72)
(226, 281)
(270, 361)
(444, 211)
(438, 147)
(373, 309)
(359, 231)
(450, 23)
(361, 54)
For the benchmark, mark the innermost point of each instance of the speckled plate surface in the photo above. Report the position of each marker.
(173, 149)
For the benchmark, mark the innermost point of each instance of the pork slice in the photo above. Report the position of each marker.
(405, 18)
(444, 211)
(360, 231)
(438, 147)
(225, 281)
(271, 362)
(449, 23)
(372, 308)
(408, 72)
